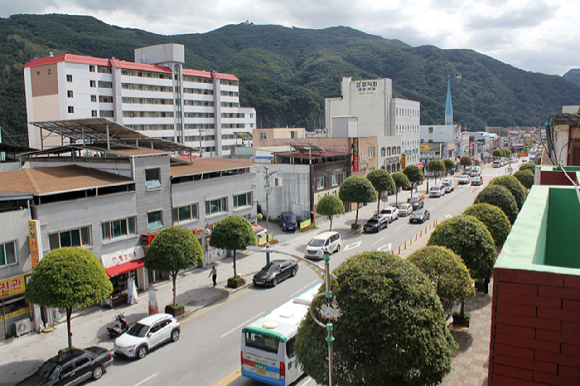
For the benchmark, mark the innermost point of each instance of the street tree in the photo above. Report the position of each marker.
(514, 186)
(502, 198)
(392, 330)
(401, 181)
(382, 182)
(68, 278)
(414, 174)
(465, 161)
(525, 177)
(436, 165)
(448, 274)
(498, 153)
(494, 220)
(233, 233)
(449, 164)
(172, 250)
(357, 189)
(528, 166)
(469, 238)
(330, 205)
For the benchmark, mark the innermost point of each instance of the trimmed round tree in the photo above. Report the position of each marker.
(401, 181)
(68, 278)
(469, 238)
(494, 220)
(357, 189)
(502, 198)
(514, 186)
(436, 165)
(392, 331)
(232, 233)
(449, 164)
(497, 153)
(525, 177)
(448, 274)
(172, 250)
(528, 166)
(382, 182)
(465, 161)
(329, 205)
(414, 174)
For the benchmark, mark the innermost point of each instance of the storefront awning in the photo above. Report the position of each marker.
(124, 268)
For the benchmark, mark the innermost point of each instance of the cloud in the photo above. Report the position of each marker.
(526, 17)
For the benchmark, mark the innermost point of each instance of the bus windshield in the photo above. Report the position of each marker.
(262, 342)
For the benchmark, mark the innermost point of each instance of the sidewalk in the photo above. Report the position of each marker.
(20, 357)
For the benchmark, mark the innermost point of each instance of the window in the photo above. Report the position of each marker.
(92, 83)
(371, 152)
(104, 69)
(94, 113)
(242, 200)
(343, 176)
(430, 130)
(154, 221)
(72, 238)
(103, 84)
(69, 94)
(105, 99)
(219, 205)
(334, 179)
(320, 183)
(93, 98)
(263, 135)
(383, 152)
(91, 68)
(186, 213)
(153, 178)
(71, 109)
(69, 78)
(7, 253)
(277, 182)
(106, 113)
(118, 228)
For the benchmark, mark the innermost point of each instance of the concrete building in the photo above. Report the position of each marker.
(154, 95)
(443, 139)
(389, 154)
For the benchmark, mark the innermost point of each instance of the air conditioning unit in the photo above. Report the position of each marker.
(21, 327)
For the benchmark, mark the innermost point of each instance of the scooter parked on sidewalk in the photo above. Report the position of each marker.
(119, 326)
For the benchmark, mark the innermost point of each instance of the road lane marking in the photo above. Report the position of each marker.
(378, 240)
(230, 378)
(146, 379)
(243, 324)
(384, 247)
(399, 227)
(352, 246)
(197, 314)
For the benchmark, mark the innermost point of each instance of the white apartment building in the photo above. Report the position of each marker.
(378, 113)
(154, 95)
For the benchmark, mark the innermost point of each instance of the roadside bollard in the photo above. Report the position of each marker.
(405, 246)
(411, 241)
(399, 250)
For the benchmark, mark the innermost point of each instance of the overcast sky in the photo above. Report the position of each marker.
(534, 35)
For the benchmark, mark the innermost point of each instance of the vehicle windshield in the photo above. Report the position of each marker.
(419, 212)
(435, 188)
(372, 222)
(387, 211)
(316, 243)
(139, 330)
(48, 371)
(288, 218)
(271, 268)
(414, 199)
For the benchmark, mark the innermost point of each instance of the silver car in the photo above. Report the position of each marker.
(405, 209)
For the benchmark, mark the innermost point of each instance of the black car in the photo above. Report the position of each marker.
(376, 224)
(420, 215)
(417, 202)
(275, 271)
(71, 368)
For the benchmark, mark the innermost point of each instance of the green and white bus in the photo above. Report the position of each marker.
(268, 354)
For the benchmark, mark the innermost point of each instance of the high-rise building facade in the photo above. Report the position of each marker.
(154, 95)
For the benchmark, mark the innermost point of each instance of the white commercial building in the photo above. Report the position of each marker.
(154, 95)
(378, 113)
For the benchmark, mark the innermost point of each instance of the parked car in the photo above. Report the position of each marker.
(436, 191)
(376, 224)
(147, 334)
(417, 202)
(326, 242)
(275, 271)
(463, 180)
(391, 213)
(405, 209)
(475, 171)
(72, 367)
(449, 185)
(420, 216)
(288, 221)
(476, 181)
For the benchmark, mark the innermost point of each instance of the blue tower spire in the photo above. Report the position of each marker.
(448, 105)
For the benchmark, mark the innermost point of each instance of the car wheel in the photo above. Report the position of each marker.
(98, 372)
(175, 335)
(294, 270)
(338, 248)
(274, 282)
(142, 352)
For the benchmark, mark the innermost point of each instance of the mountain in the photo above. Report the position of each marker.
(286, 73)
(573, 75)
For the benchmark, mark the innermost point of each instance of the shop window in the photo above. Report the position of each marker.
(154, 221)
(219, 205)
(242, 200)
(118, 228)
(7, 254)
(71, 238)
(153, 178)
(186, 213)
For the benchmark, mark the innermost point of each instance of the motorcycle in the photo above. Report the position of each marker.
(119, 326)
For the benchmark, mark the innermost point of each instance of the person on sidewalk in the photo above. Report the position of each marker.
(213, 274)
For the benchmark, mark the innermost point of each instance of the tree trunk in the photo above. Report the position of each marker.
(462, 309)
(356, 220)
(330, 218)
(68, 329)
(235, 269)
(379, 203)
(174, 277)
(397, 196)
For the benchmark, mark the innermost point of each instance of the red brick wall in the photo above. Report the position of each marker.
(535, 330)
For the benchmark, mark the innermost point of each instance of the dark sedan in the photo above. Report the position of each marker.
(71, 368)
(420, 216)
(376, 224)
(417, 202)
(275, 271)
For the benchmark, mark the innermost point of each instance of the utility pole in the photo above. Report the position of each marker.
(268, 188)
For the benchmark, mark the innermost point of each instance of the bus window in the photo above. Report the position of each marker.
(262, 342)
(290, 348)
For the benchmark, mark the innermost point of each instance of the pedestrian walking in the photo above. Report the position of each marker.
(213, 274)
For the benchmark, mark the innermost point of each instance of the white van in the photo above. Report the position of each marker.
(326, 242)
(449, 185)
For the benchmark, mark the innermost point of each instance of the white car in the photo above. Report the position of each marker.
(464, 180)
(436, 191)
(405, 209)
(391, 213)
(147, 334)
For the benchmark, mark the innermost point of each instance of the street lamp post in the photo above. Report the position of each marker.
(268, 188)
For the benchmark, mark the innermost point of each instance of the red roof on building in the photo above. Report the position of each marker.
(68, 58)
(315, 154)
(202, 74)
(140, 66)
(219, 75)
